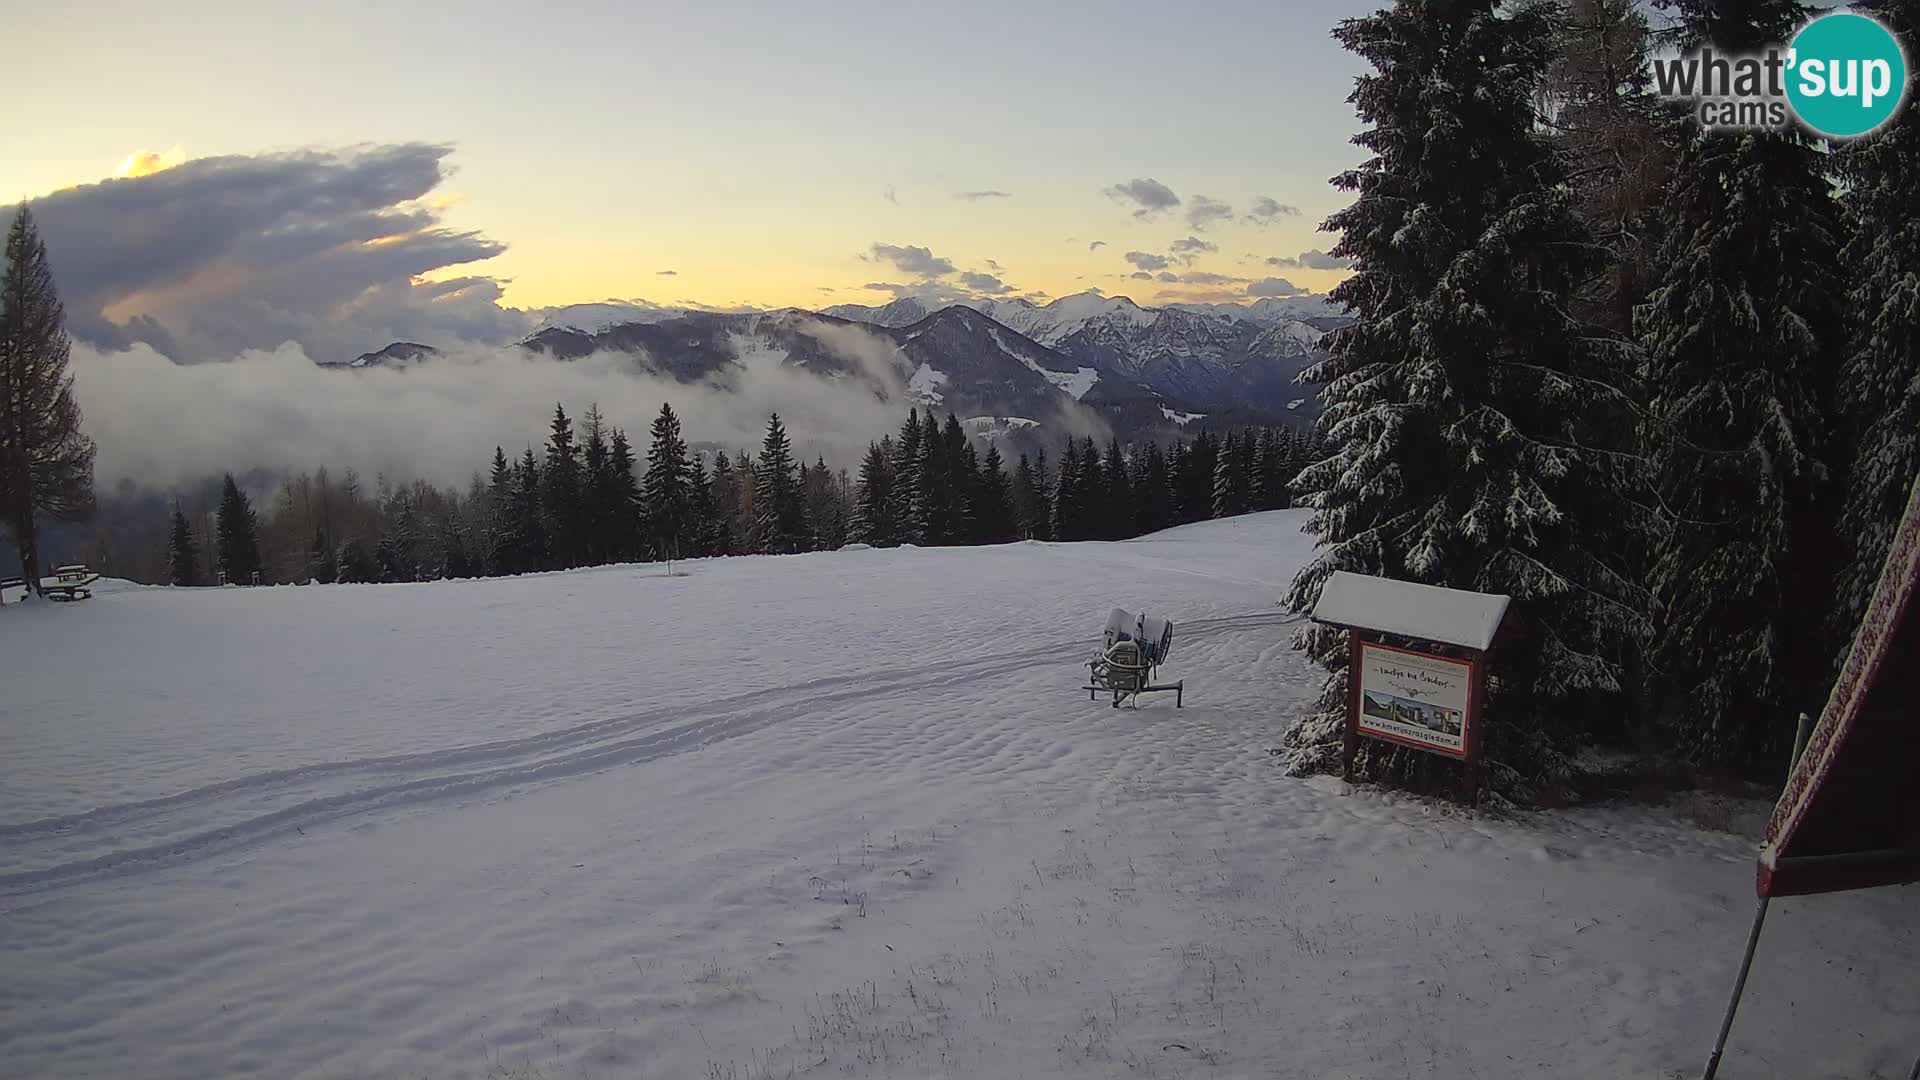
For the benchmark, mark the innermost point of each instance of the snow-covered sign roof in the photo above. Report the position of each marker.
(1428, 612)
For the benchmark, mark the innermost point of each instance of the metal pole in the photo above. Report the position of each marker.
(1739, 985)
(1800, 736)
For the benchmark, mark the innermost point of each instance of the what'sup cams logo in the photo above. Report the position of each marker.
(1842, 76)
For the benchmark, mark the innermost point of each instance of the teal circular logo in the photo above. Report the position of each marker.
(1846, 75)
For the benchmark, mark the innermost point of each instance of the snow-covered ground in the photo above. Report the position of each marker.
(832, 814)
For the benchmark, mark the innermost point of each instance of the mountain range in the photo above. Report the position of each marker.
(1007, 366)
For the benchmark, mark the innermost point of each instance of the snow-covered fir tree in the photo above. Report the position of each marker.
(905, 491)
(1743, 335)
(873, 502)
(1880, 379)
(1473, 420)
(779, 514)
(560, 494)
(238, 530)
(183, 555)
(667, 490)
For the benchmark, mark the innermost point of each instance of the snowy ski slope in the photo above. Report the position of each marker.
(832, 814)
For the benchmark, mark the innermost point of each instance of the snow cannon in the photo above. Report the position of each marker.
(1132, 649)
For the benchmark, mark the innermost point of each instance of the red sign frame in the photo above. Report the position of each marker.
(1470, 724)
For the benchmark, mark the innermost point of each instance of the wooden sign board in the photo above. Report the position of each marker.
(1417, 699)
(1426, 698)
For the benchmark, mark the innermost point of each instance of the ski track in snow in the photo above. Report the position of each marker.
(834, 815)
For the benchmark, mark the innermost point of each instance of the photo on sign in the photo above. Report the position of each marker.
(1414, 698)
(1432, 717)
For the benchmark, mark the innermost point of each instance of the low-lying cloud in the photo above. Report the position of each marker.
(161, 425)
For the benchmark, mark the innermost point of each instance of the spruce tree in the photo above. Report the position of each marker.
(1116, 495)
(1229, 479)
(1041, 520)
(779, 516)
(46, 462)
(1153, 498)
(1880, 379)
(723, 506)
(598, 496)
(873, 521)
(932, 495)
(905, 491)
(239, 534)
(1066, 495)
(561, 494)
(1743, 333)
(700, 538)
(356, 562)
(183, 555)
(993, 509)
(529, 516)
(1474, 421)
(667, 489)
(1025, 499)
(624, 503)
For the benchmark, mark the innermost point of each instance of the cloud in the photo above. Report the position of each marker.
(890, 196)
(1200, 296)
(1096, 245)
(667, 273)
(1141, 275)
(1313, 259)
(161, 425)
(1164, 275)
(1191, 248)
(994, 266)
(1274, 286)
(327, 249)
(1147, 260)
(148, 162)
(976, 196)
(1207, 277)
(1149, 197)
(1204, 211)
(985, 284)
(1264, 210)
(913, 260)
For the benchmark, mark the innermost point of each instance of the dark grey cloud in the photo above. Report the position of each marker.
(1208, 277)
(1274, 286)
(322, 248)
(984, 284)
(994, 266)
(976, 196)
(1204, 211)
(1096, 245)
(1147, 260)
(1192, 245)
(1164, 275)
(1141, 275)
(667, 273)
(1149, 197)
(1313, 259)
(1265, 210)
(911, 259)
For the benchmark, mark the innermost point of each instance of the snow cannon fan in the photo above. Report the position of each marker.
(1131, 652)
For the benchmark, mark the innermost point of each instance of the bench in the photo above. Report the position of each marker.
(70, 583)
